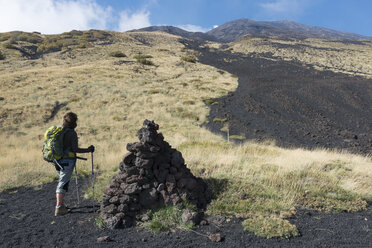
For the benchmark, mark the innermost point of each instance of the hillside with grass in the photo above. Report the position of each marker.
(114, 81)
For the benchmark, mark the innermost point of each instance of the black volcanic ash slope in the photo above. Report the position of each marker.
(292, 104)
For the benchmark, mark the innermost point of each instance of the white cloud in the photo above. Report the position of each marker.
(52, 16)
(136, 20)
(193, 28)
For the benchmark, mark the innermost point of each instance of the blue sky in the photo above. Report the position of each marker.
(56, 16)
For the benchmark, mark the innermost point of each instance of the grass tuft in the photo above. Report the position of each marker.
(237, 137)
(2, 56)
(268, 227)
(98, 221)
(221, 120)
(169, 217)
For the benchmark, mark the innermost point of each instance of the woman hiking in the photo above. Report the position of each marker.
(68, 162)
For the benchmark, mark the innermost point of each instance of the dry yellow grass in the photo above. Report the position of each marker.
(351, 58)
(111, 100)
(112, 96)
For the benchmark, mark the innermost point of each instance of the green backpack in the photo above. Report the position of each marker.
(53, 143)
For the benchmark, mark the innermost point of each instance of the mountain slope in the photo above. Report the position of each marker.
(177, 31)
(234, 30)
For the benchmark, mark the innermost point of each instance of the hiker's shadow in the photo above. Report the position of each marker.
(83, 209)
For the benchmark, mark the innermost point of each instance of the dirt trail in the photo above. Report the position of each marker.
(26, 220)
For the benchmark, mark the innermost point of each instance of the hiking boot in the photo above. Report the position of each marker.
(61, 210)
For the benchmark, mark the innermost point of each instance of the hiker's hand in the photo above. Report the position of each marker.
(91, 148)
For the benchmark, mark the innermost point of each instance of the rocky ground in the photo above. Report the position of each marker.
(291, 103)
(27, 220)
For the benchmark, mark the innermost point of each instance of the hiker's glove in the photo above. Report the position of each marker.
(91, 148)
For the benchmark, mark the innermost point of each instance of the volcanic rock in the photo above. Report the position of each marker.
(152, 174)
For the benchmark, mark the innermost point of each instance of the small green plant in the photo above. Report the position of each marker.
(8, 45)
(169, 217)
(98, 222)
(189, 102)
(270, 227)
(154, 91)
(117, 118)
(143, 59)
(142, 56)
(210, 102)
(189, 58)
(75, 99)
(145, 62)
(237, 137)
(165, 218)
(221, 120)
(117, 54)
(2, 56)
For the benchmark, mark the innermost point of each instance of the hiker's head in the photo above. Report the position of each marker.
(69, 120)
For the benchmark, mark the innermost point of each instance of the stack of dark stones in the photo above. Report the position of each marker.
(152, 174)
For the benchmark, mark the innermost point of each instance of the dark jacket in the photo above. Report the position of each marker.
(70, 144)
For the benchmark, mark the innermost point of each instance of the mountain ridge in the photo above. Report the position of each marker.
(236, 29)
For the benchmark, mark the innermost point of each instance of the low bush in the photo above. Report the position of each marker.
(142, 56)
(145, 61)
(2, 56)
(189, 58)
(117, 54)
(8, 45)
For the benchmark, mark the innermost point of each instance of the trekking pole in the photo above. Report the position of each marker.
(93, 180)
(77, 186)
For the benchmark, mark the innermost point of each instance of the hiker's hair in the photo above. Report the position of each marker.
(69, 120)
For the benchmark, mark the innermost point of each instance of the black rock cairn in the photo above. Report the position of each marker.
(152, 174)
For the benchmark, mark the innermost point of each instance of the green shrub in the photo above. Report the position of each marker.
(189, 102)
(29, 37)
(2, 56)
(117, 54)
(154, 91)
(189, 58)
(221, 120)
(117, 118)
(145, 61)
(210, 101)
(270, 227)
(4, 37)
(142, 56)
(8, 45)
(166, 218)
(237, 137)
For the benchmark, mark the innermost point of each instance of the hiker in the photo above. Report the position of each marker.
(68, 162)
